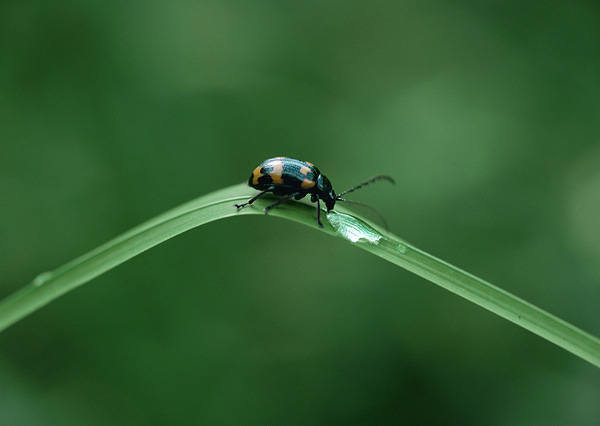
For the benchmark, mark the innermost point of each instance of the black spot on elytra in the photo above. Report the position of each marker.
(265, 180)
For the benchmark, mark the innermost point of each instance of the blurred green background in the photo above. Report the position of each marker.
(486, 113)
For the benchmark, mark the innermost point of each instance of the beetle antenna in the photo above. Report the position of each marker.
(360, 185)
(373, 209)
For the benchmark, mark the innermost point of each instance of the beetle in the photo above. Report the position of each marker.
(294, 179)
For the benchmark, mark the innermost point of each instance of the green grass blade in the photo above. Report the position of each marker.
(359, 231)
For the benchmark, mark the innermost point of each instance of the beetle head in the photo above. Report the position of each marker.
(326, 192)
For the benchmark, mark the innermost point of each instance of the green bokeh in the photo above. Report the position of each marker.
(486, 113)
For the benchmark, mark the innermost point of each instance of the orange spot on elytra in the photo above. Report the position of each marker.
(255, 175)
(304, 170)
(276, 173)
(307, 184)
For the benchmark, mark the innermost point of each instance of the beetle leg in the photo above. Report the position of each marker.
(319, 213)
(278, 202)
(250, 201)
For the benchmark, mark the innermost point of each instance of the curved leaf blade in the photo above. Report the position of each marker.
(359, 231)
